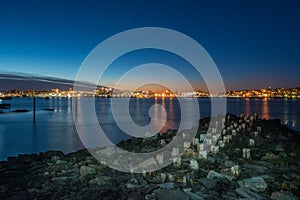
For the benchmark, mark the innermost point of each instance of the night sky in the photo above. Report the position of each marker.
(255, 44)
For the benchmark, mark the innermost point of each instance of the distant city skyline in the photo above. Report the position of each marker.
(148, 92)
(255, 44)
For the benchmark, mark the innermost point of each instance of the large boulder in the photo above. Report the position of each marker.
(86, 170)
(257, 184)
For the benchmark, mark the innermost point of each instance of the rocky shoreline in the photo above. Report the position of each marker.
(253, 159)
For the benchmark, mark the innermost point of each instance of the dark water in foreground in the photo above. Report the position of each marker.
(55, 130)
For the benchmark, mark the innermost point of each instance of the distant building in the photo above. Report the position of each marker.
(55, 90)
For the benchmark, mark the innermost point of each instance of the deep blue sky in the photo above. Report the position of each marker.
(255, 44)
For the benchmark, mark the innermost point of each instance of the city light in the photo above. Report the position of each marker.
(107, 92)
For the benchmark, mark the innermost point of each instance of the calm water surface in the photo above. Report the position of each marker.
(55, 130)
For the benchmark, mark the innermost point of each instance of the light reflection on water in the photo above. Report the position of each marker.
(56, 130)
(265, 109)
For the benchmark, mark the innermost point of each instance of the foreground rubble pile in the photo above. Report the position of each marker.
(251, 159)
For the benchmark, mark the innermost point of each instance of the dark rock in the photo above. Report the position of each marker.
(86, 170)
(14, 164)
(13, 177)
(192, 195)
(247, 193)
(49, 154)
(136, 196)
(102, 180)
(169, 185)
(230, 195)
(171, 195)
(255, 168)
(150, 189)
(208, 183)
(283, 195)
(255, 183)
(28, 158)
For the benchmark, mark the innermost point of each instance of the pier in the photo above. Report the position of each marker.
(5, 106)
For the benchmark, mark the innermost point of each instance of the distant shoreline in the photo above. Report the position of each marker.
(206, 97)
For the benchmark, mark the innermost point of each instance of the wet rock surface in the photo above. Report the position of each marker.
(251, 159)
